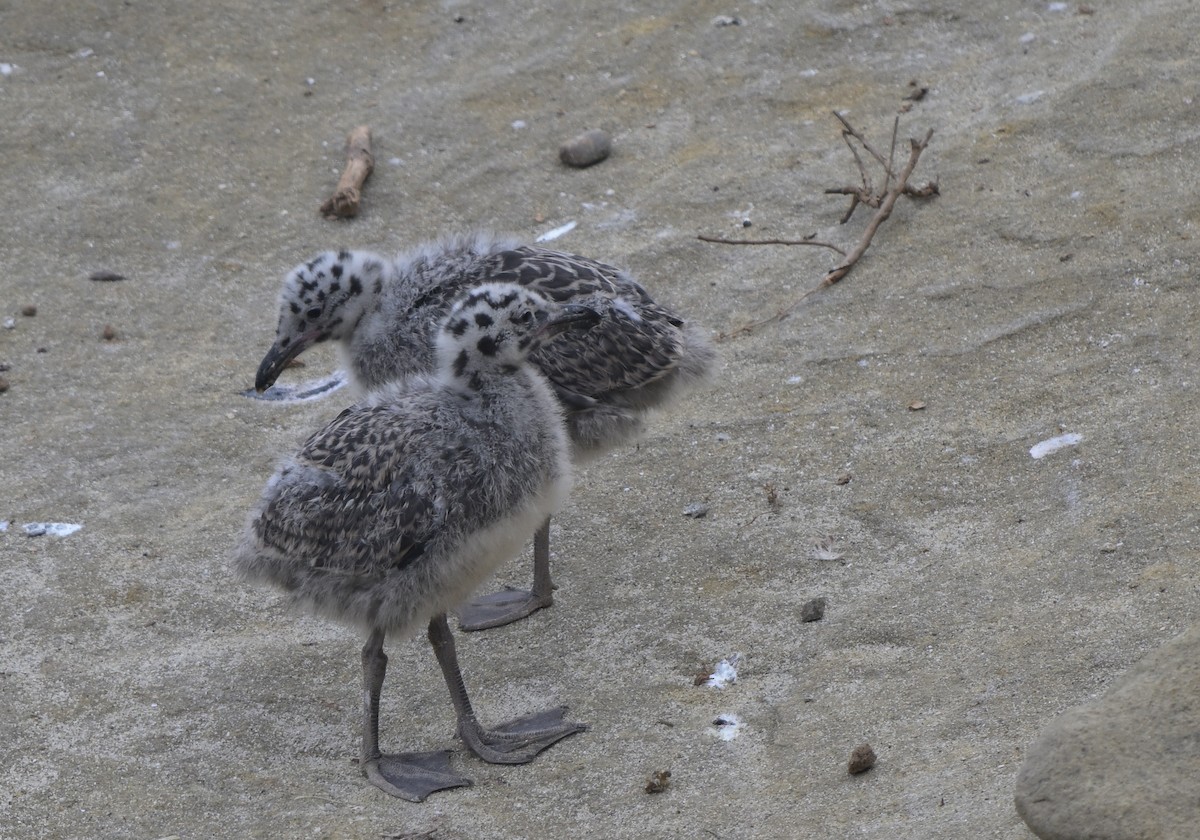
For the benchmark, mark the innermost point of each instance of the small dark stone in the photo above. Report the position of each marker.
(109, 333)
(29, 310)
(659, 781)
(813, 610)
(3, 384)
(746, 223)
(103, 276)
(585, 149)
(862, 759)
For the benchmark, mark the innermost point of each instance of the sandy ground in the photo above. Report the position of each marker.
(973, 591)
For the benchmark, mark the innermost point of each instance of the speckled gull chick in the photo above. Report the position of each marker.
(382, 313)
(399, 508)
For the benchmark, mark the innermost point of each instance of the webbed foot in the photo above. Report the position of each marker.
(518, 741)
(413, 776)
(500, 608)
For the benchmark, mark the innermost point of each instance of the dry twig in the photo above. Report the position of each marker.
(343, 204)
(723, 241)
(895, 184)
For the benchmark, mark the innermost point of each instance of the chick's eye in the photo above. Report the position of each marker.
(315, 312)
(526, 317)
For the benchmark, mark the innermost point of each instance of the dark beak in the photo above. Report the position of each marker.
(573, 316)
(274, 362)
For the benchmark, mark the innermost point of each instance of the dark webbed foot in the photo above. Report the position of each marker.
(500, 608)
(511, 605)
(518, 741)
(413, 776)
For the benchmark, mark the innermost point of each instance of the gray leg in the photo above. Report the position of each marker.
(411, 776)
(511, 605)
(515, 742)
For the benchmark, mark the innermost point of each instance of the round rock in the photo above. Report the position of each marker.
(862, 759)
(585, 149)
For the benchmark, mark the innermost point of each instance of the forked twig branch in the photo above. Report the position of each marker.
(900, 187)
(895, 184)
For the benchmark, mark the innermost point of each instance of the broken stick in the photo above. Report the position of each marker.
(344, 202)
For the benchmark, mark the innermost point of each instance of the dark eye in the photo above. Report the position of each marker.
(526, 317)
(313, 313)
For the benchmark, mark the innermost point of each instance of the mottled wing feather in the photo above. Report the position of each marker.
(636, 343)
(561, 277)
(350, 501)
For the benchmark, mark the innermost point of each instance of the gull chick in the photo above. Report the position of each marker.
(399, 508)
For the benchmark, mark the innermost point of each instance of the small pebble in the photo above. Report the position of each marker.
(813, 610)
(3, 384)
(103, 276)
(659, 781)
(862, 759)
(726, 20)
(29, 310)
(697, 510)
(109, 333)
(585, 149)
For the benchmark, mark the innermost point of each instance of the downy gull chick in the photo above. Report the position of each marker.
(382, 315)
(400, 507)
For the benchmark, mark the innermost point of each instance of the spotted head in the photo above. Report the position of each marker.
(497, 325)
(321, 299)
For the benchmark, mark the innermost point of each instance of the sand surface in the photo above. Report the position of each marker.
(973, 591)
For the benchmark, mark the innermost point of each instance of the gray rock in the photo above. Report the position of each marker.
(813, 610)
(585, 149)
(1125, 767)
